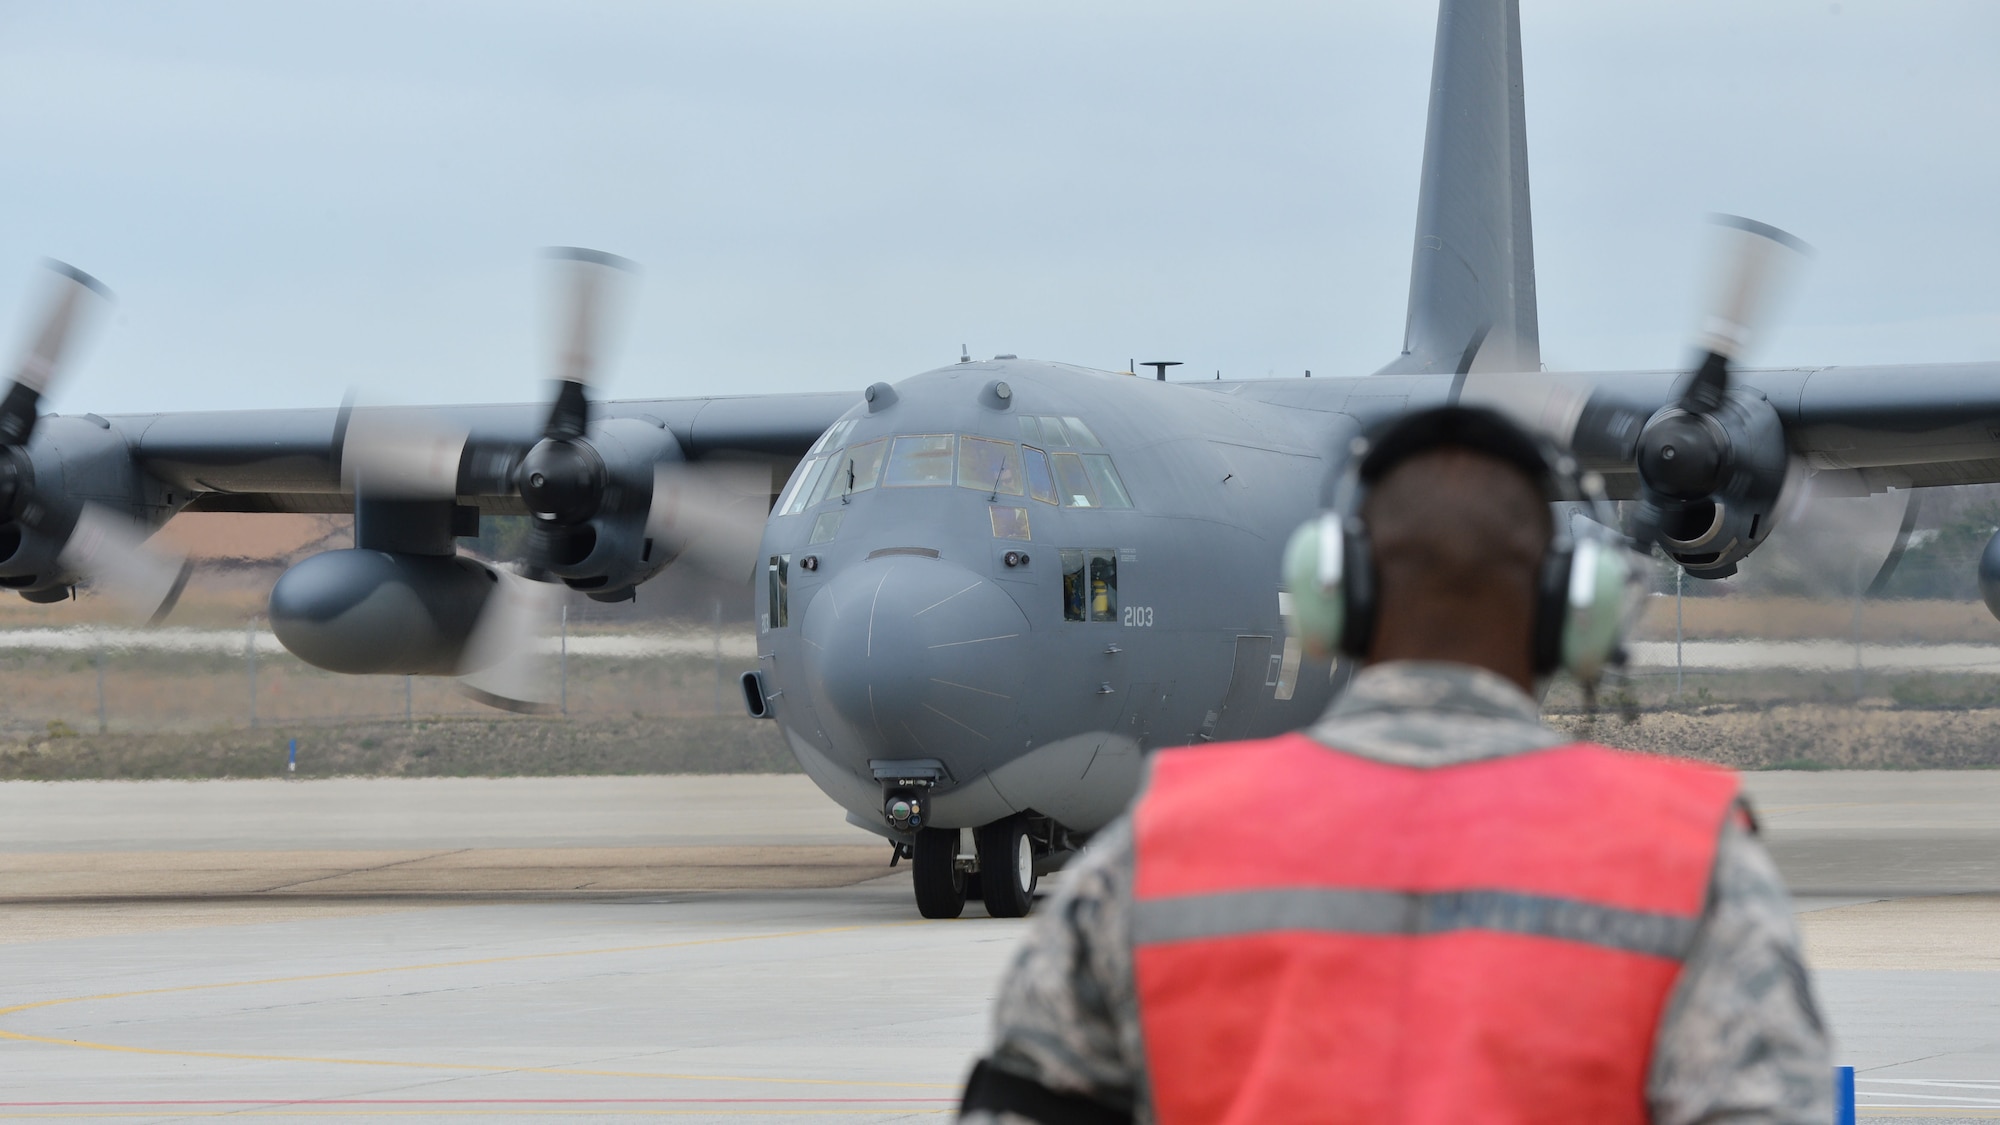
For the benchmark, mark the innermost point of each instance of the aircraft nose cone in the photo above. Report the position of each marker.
(918, 658)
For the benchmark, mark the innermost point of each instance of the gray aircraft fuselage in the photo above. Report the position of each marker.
(930, 626)
(911, 640)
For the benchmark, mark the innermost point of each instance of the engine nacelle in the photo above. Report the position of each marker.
(1713, 481)
(1989, 575)
(77, 459)
(368, 612)
(609, 553)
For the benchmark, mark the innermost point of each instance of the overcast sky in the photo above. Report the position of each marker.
(291, 199)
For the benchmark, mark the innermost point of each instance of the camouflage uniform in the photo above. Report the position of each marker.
(1741, 1039)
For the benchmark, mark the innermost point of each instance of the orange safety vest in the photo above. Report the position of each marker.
(1321, 937)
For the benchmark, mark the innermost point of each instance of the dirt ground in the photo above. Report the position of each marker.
(502, 746)
(1897, 621)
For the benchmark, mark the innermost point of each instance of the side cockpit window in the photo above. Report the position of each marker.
(1087, 480)
(1041, 479)
(778, 574)
(850, 471)
(1089, 584)
(798, 493)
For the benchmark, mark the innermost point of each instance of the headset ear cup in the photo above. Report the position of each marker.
(1600, 596)
(1318, 610)
(1552, 608)
(1358, 564)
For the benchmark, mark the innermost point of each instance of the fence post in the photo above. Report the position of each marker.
(250, 662)
(718, 656)
(98, 658)
(1680, 576)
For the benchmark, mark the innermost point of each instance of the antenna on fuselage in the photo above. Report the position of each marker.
(1161, 365)
(964, 354)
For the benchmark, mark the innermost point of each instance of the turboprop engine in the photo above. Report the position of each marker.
(74, 509)
(610, 502)
(1712, 467)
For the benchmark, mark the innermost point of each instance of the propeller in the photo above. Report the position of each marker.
(711, 516)
(708, 515)
(562, 479)
(106, 550)
(1834, 537)
(506, 661)
(1684, 453)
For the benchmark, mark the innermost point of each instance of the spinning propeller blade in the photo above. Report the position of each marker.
(104, 549)
(595, 285)
(710, 515)
(505, 663)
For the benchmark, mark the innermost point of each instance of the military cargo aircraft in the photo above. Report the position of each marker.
(985, 591)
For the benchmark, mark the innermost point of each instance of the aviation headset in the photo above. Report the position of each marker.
(1584, 591)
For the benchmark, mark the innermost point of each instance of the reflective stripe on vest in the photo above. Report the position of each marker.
(1321, 937)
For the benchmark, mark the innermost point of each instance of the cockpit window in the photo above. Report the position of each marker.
(982, 464)
(854, 470)
(1041, 479)
(989, 466)
(1049, 431)
(1110, 490)
(831, 439)
(1073, 482)
(920, 459)
(866, 462)
(1079, 434)
(799, 492)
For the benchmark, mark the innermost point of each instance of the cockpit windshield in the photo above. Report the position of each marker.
(992, 465)
(1063, 473)
(920, 459)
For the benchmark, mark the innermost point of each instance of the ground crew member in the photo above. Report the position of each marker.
(1428, 907)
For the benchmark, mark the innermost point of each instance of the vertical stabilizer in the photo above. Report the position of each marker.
(1472, 278)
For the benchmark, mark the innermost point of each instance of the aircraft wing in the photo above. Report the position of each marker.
(289, 460)
(1873, 428)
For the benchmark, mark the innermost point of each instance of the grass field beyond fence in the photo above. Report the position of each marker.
(139, 713)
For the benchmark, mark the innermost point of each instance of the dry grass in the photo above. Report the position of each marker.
(501, 746)
(170, 692)
(1809, 736)
(1729, 618)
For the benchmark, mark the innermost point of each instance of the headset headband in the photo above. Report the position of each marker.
(1467, 427)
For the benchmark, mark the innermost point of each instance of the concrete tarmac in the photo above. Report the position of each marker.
(160, 962)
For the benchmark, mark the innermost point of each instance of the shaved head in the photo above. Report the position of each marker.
(1458, 540)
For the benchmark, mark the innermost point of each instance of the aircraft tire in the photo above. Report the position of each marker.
(1006, 867)
(940, 885)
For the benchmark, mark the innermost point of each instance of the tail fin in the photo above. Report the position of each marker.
(1472, 278)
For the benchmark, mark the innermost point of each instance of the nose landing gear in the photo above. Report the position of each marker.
(937, 871)
(1006, 867)
(1002, 867)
